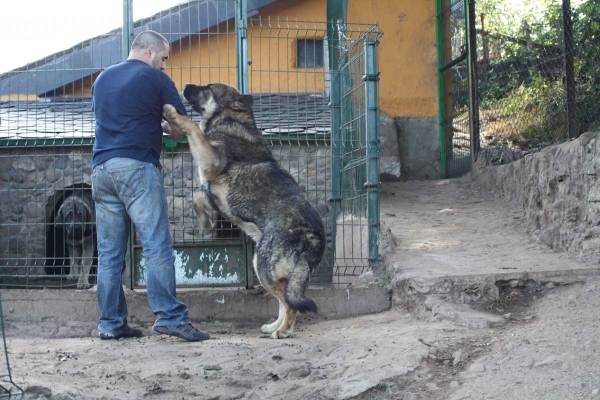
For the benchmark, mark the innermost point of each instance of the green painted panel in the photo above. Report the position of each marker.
(201, 265)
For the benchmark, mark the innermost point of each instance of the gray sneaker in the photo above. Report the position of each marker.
(186, 332)
(124, 332)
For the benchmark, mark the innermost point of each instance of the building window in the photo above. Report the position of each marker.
(309, 53)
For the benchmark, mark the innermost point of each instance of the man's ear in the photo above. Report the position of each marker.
(243, 103)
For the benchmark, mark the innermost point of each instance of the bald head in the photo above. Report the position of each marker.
(150, 47)
(149, 39)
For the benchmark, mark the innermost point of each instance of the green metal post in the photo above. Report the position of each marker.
(241, 42)
(241, 24)
(337, 11)
(336, 157)
(126, 40)
(441, 108)
(127, 34)
(372, 121)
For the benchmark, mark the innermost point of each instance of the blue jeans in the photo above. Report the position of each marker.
(128, 190)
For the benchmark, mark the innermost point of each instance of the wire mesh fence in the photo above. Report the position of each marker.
(354, 142)
(47, 134)
(453, 90)
(299, 127)
(538, 76)
(8, 388)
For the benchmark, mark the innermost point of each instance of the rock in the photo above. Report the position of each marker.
(595, 392)
(412, 396)
(503, 360)
(547, 361)
(184, 375)
(477, 367)
(454, 384)
(155, 388)
(38, 391)
(577, 385)
(461, 397)
(431, 386)
(67, 396)
(529, 363)
(459, 356)
(461, 314)
(549, 285)
(299, 373)
(507, 315)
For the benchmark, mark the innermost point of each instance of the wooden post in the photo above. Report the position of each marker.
(484, 72)
(529, 46)
(473, 92)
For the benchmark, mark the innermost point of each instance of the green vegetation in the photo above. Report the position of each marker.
(521, 81)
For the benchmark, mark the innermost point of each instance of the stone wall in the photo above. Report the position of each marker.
(559, 191)
(34, 180)
(31, 180)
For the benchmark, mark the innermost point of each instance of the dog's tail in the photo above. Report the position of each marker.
(294, 291)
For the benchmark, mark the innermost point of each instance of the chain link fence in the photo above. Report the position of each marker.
(538, 77)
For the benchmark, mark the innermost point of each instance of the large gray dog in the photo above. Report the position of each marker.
(78, 219)
(243, 182)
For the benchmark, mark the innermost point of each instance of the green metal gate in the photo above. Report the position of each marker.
(321, 123)
(453, 88)
(355, 147)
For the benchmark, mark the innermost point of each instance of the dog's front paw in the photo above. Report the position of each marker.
(269, 328)
(282, 335)
(169, 112)
(83, 282)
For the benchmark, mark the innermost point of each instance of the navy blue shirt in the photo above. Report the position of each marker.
(127, 100)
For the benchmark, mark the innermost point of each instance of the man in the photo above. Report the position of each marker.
(127, 185)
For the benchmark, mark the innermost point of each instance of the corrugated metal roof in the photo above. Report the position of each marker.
(58, 118)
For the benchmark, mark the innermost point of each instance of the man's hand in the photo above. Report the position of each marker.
(166, 127)
(174, 131)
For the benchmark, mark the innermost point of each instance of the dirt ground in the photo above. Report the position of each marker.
(547, 346)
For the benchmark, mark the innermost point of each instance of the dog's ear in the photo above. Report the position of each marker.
(242, 103)
(58, 219)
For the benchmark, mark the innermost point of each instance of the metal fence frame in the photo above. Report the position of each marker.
(454, 103)
(8, 388)
(345, 156)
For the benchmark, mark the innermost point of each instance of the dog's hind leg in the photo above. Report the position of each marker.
(293, 290)
(272, 327)
(203, 210)
(286, 329)
(266, 284)
(283, 327)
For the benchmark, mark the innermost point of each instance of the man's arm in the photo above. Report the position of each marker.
(171, 96)
(172, 130)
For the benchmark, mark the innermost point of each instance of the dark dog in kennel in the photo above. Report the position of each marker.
(75, 229)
